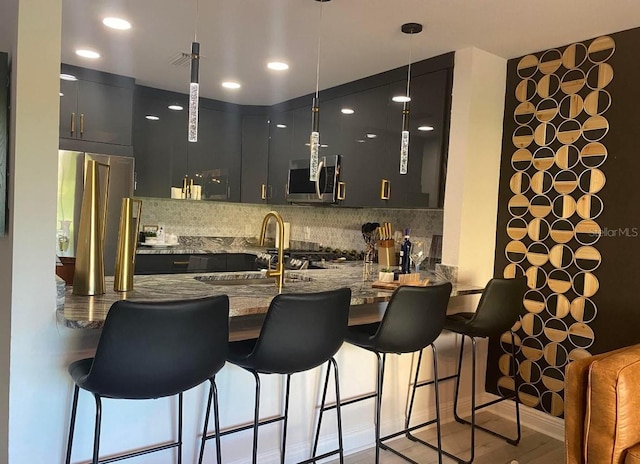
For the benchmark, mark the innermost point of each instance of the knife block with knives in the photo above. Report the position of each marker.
(386, 246)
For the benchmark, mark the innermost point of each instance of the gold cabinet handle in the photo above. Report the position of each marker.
(81, 124)
(263, 192)
(342, 190)
(73, 123)
(385, 189)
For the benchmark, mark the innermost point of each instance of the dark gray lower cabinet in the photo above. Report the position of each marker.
(196, 262)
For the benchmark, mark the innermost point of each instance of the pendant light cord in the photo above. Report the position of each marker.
(195, 35)
(409, 70)
(319, 41)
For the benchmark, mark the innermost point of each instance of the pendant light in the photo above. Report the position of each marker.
(194, 86)
(314, 140)
(407, 28)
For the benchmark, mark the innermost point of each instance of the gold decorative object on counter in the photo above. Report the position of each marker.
(127, 244)
(89, 273)
(279, 270)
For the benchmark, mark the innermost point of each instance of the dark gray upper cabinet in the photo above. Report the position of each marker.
(281, 151)
(255, 158)
(97, 107)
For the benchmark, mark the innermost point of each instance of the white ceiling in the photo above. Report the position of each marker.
(359, 37)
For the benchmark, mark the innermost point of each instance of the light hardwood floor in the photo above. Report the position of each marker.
(534, 447)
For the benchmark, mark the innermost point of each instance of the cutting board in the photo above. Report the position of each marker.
(395, 284)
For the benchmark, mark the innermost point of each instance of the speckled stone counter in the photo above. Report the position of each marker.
(249, 292)
(189, 245)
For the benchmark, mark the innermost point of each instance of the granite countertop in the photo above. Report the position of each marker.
(195, 245)
(247, 297)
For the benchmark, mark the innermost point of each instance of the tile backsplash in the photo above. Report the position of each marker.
(328, 226)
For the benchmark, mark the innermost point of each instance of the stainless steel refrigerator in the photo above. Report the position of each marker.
(71, 170)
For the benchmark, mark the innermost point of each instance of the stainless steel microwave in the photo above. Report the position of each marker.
(325, 190)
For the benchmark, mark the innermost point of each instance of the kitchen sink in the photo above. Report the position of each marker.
(249, 279)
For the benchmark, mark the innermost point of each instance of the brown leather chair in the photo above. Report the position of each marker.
(602, 408)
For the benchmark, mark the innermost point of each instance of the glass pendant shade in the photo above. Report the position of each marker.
(404, 141)
(314, 141)
(194, 92)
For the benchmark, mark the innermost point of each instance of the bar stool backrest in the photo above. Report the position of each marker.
(157, 349)
(499, 308)
(302, 331)
(414, 318)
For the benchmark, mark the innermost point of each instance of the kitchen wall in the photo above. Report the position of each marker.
(328, 226)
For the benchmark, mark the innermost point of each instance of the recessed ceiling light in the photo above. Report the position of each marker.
(152, 117)
(371, 136)
(175, 107)
(281, 126)
(401, 99)
(277, 66)
(230, 85)
(425, 128)
(347, 111)
(68, 77)
(117, 23)
(88, 54)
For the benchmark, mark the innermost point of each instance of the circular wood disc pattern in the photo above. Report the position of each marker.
(538, 254)
(571, 106)
(521, 159)
(589, 206)
(532, 324)
(552, 403)
(578, 353)
(534, 301)
(556, 355)
(601, 49)
(558, 306)
(517, 228)
(561, 231)
(569, 131)
(587, 258)
(593, 154)
(532, 348)
(550, 61)
(585, 284)
(565, 182)
(548, 85)
(541, 182)
(544, 134)
(564, 206)
(599, 76)
(538, 229)
(573, 81)
(506, 386)
(574, 55)
(505, 342)
(529, 371)
(524, 113)
(567, 156)
(527, 66)
(553, 379)
(540, 206)
(515, 251)
(513, 271)
(536, 277)
(522, 136)
(595, 128)
(591, 180)
(520, 182)
(529, 395)
(518, 205)
(581, 335)
(555, 330)
(583, 309)
(543, 158)
(525, 90)
(561, 256)
(505, 364)
(587, 232)
(597, 102)
(546, 110)
(559, 281)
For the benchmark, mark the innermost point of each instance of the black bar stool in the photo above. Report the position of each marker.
(301, 331)
(499, 308)
(151, 350)
(412, 321)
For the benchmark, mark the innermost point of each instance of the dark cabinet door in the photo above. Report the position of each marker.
(68, 108)
(105, 113)
(364, 136)
(255, 158)
(281, 130)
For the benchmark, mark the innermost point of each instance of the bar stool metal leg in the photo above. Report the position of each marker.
(180, 404)
(96, 431)
(213, 397)
(286, 418)
(380, 378)
(340, 450)
(256, 418)
(72, 424)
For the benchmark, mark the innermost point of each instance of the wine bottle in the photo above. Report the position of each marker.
(405, 252)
